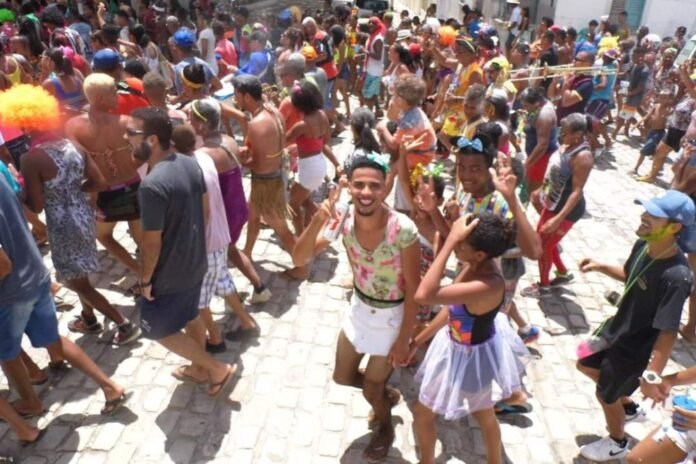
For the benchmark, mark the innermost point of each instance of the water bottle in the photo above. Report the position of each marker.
(332, 229)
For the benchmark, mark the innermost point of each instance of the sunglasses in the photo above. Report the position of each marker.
(134, 132)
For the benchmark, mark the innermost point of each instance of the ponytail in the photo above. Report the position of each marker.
(61, 58)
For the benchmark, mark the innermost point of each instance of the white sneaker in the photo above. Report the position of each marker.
(603, 450)
(261, 297)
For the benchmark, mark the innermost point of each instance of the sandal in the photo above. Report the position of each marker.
(81, 325)
(58, 366)
(180, 374)
(216, 388)
(42, 432)
(61, 304)
(110, 406)
(378, 448)
(40, 380)
(135, 291)
(503, 409)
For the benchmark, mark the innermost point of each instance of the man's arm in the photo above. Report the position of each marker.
(206, 209)
(544, 127)
(150, 248)
(410, 262)
(5, 264)
(310, 243)
(33, 185)
(662, 351)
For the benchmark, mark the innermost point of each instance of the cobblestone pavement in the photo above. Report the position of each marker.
(284, 407)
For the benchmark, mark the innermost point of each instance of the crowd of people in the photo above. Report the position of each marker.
(152, 113)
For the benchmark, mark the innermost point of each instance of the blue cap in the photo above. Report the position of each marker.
(185, 38)
(106, 60)
(673, 205)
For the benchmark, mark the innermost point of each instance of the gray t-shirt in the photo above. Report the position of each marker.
(171, 200)
(28, 271)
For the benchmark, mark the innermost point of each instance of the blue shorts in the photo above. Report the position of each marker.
(168, 314)
(35, 316)
(652, 141)
(344, 73)
(328, 101)
(372, 86)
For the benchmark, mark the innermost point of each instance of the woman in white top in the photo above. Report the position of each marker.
(206, 41)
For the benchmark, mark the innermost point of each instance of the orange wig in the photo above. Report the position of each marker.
(30, 108)
(447, 35)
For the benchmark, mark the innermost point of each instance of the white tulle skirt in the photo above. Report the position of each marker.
(458, 379)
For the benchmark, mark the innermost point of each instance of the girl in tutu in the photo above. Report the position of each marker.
(473, 360)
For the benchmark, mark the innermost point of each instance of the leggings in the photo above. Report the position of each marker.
(549, 243)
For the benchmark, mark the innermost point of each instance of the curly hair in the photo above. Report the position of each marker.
(30, 108)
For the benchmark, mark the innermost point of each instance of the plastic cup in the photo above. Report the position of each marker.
(686, 402)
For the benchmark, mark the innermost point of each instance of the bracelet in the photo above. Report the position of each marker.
(146, 284)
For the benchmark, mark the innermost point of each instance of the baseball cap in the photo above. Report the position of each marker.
(415, 49)
(309, 53)
(523, 47)
(673, 205)
(612, 53)
(185, 38)
(106, 60)
(159, 7)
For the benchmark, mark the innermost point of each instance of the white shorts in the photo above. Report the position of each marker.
(311, 171)
(217, 279)
(685, 441)
(372, 330)
(401, 204)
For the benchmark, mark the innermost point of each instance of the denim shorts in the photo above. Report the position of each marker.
(372, 86)
(35, 316)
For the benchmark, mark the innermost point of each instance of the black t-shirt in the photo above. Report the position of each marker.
(548, 58)
(583, 86)
(653, 304)
(171, 200)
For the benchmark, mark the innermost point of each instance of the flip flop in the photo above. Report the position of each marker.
(382, 449)
(218, 387)
(42, 432)
(40, 381)
(504, 409)
(111, 406)
(180, 374)
(394, 396)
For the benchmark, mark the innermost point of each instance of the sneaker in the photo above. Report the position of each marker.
(215, 349)
(561, 279)
(126, 333)
(261, 297)
(604, 450)
(634, 413)
(536, 291)
(530, 335)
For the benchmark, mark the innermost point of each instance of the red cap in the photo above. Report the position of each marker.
(555, 28)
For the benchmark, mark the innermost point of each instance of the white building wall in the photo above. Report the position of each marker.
(664, 16)
(578, 13)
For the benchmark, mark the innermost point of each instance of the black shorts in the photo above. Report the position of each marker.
(120, 204)
(17, 147)
(168, 314)
(619, 375)
(673, 138)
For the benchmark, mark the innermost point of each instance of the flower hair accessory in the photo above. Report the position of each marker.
(475, 144)
(433, 170)
(379, 159)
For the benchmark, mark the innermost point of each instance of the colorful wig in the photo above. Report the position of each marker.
(30, 108)
(447, 35)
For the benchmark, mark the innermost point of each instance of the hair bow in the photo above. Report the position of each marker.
(379, 159)
(433, 170)
(475, 144)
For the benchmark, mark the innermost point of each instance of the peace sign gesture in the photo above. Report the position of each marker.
(327, 210)
(504, 179)
(425, 198)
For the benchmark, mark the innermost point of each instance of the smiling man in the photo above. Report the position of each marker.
(641, 335)
(384, 252)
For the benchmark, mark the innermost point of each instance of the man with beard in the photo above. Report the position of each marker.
(174, 210)
(264, 154)
(101, 135)
(640, 337)
(383, 312)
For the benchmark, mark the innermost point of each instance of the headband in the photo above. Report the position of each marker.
(433, 170)
(379, 160)
(198, 113)
(188, 83)
(467, 44)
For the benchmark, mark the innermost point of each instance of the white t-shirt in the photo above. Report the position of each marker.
(516, 17)
(376, 67)
(207, 34)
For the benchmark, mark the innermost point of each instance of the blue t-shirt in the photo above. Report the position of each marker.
(258, 65)
(28, 271)
(7, 175)
(605, 93)
(179, 69)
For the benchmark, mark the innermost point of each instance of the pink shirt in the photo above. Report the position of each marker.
(227, 52)
(217, 233)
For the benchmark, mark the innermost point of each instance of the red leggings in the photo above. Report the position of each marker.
(549, 243)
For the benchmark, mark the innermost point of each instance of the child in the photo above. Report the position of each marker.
(414, 125)
(473, 360)
(655, 122)
(634, 93)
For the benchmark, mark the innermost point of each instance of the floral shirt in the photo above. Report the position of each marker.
(378, 274)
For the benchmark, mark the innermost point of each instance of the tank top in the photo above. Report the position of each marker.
(375, 67)
(16, 77)
(470, 329)
(233, 196)
(73, 100)
(558, 182)
(531, 134)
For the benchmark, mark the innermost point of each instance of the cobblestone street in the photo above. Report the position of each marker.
(283, 406)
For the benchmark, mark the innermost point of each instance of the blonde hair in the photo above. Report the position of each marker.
(97, 84)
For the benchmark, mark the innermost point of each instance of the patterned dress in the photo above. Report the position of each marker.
(70, 218)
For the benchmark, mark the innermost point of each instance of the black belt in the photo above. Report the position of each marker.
(376, 301)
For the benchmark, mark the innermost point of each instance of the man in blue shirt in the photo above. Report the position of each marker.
(185, 40)
(260, 61)
(26, 307)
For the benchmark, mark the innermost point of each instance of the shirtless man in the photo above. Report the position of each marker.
(263, 154)
(102, 136)
(541, 134)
